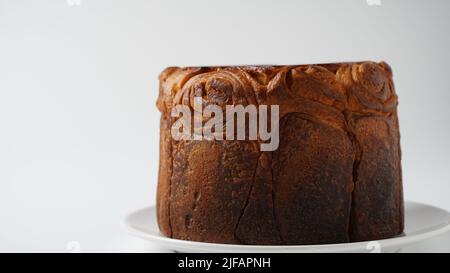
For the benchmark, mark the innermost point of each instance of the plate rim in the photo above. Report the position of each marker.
(217, 247)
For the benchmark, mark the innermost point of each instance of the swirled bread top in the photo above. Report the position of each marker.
(358, 87)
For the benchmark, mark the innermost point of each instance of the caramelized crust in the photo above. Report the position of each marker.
(336, 176)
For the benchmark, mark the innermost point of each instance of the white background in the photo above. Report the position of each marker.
(78, 84)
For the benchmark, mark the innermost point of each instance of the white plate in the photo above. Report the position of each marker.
(421, 222)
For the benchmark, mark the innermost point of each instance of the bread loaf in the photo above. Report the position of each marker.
(335, 176)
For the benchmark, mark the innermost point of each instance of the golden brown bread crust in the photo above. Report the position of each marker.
(336, 176)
